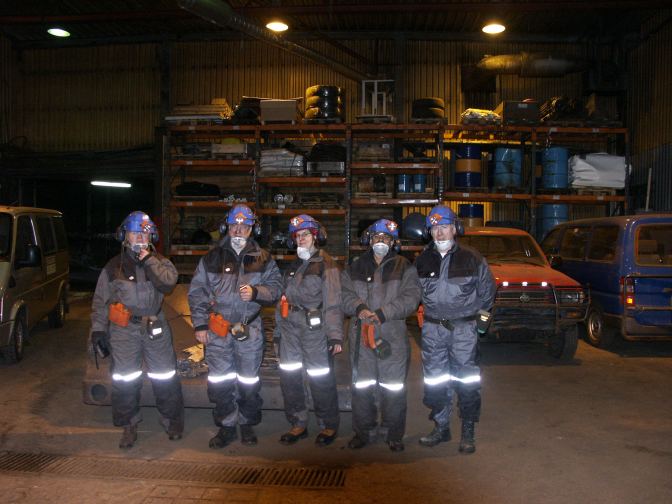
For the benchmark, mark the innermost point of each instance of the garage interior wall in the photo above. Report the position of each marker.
(650, 111)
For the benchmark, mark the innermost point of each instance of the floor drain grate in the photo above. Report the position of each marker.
(301, 477)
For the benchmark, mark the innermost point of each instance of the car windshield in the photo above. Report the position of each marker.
(5, 236)
(505, 248)
(654, 245)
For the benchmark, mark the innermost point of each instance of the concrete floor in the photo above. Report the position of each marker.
(596, 430)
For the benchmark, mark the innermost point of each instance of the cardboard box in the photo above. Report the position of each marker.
(518, 112)
(279, 110)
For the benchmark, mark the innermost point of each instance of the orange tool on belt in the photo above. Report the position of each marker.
(119, 314)
(284, 307)
(218, 324)
(421, 316)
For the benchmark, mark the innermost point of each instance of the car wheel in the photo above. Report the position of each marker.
(597, 333)
(57, 315)
(14, 351)
(563, 343)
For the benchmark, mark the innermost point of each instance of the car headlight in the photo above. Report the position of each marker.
(571, 296)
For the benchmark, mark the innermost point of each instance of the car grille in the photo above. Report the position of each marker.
(529, 296)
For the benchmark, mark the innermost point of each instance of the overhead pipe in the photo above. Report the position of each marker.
(221, 14)
(532, 64)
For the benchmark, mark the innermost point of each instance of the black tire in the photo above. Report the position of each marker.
(563, 344)
(432, 102)
(13, 353)
(323, 113)
(57, 315)
(320, 101)
(324, 91)
(596, 331)
(428, 113)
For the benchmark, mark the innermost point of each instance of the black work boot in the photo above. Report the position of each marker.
(438, 435)
(223, 437)
(357, 442)
(128, 437)
(247, 435)
(467, 443)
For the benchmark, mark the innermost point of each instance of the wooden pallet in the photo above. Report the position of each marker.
(595, 191)
(472, 189)
(333, 120)
(280, 123)
(381, 119)
(428, 120)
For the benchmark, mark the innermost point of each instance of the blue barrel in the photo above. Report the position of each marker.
(555, 163)
(468, 165)
(508, 167)
(538, 168)
(404, 183)
(419, 183)
(471, 214)
(550, 215)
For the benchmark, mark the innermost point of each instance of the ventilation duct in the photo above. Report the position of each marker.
(220, 13)
(532, 64)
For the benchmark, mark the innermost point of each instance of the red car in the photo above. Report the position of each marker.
(533, 300)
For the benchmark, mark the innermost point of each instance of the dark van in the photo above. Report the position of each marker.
(627, 264)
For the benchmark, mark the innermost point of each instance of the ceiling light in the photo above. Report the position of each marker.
(277, 26)
(58, 32)
(493, 28)
(105, 183)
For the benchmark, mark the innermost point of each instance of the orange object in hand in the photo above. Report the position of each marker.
(369, 335)
(119, 314)
(421, 316)
(284, 307)
(218, 324)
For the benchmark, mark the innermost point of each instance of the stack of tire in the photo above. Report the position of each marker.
(428, 108)
(324, 103)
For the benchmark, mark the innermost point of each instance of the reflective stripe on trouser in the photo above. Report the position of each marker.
(233, 377)
(298, 344)
(449, 364)
(390, 377)
(130, 347)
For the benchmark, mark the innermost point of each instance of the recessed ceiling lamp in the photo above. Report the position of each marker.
(277, 26)
(493, 28)
(106, 183)
(58, 32)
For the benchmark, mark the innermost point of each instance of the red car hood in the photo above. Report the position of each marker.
(516, 273)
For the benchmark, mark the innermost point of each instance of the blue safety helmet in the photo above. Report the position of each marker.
(303, 221)
(241, 214)
(385, 226)
(440, 215)
(138, 222)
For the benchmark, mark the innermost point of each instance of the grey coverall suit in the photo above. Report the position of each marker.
(215, 288)
(454, 288)
(391, 289)
(140, 286)
(311, 284)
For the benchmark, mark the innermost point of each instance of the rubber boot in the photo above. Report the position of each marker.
(438, 435)
(223, 437)
(467, 443)
(128, 437)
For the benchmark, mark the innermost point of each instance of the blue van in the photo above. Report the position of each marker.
(626, 262)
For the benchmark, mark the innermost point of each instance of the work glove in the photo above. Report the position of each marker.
(100, 344)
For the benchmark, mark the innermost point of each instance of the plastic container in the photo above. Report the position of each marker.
(549, 215)
(419, 183)
(508, 167)
(555, 168)
(404, 183)
(468, 165)
(471, 214)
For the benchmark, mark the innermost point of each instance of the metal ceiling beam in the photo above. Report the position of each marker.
(221, 14)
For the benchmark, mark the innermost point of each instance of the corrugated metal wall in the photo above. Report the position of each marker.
(89, 98)
(650, 111)
(7, 84)
(109, 97)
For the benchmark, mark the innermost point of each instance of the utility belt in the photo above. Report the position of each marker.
(450, 323)
(121, 316)
(221, 326)
(313, 315)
